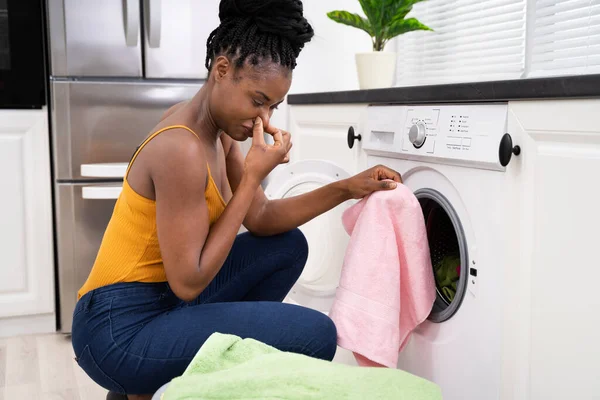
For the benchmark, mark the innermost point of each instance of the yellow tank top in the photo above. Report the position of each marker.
(129, 251)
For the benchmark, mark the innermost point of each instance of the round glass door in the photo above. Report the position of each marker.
(448, 248)
(327, 243)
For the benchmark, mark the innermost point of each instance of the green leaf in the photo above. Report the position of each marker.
(385, 19)
(401, 8)
(354, 20)
(399, 27)
(373, 9)
(369, 7)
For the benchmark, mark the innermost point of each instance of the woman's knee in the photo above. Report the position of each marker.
(325, 333)
(295, 243)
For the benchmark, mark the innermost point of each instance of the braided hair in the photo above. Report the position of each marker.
(258, 30)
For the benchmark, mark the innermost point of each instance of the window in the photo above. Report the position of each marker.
(484, 40)
(472, 40)
(565, 37)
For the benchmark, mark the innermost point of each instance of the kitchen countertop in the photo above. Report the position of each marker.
(580, 86)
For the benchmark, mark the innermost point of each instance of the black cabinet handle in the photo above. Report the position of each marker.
(507, 150)
(352, 136)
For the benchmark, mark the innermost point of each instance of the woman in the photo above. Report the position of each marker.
(171, 269)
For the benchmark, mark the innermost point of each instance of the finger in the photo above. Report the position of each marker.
(388, 173)
(285, 160)
(384, 185)
(278, 137)
(257, 132)
(395, 176)
(389, 185)
(271, 129)
(287, 156)
(287, 140)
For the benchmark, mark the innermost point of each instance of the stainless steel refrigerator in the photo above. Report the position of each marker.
(116, 66)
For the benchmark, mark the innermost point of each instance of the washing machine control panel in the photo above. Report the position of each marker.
(460, 134)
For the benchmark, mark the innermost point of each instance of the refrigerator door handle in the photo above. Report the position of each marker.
(131, 21)
(154, 22)
(100, 192)
(104, 170)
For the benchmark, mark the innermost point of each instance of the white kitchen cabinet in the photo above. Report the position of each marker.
(554, 338)
(321, 131)
(26, 234)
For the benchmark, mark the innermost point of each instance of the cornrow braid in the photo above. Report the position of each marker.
(259, 29)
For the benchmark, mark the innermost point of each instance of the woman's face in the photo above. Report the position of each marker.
(242, 94)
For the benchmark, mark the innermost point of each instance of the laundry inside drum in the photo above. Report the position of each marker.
(448, 250)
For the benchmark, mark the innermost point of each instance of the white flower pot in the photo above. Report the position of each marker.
(376, 69)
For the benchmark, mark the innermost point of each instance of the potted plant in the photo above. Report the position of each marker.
(385, 19)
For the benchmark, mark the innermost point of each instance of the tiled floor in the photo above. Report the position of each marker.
(42, 367)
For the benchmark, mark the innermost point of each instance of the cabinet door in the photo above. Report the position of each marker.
(321, 132)
(176, 35)
(26, 238)
(555, 285)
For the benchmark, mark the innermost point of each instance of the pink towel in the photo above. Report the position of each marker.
(387, 286)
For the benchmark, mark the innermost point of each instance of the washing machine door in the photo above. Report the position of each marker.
(327, 239)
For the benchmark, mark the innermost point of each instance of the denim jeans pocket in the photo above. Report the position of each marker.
(87, 362)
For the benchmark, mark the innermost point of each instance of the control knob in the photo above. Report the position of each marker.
(416, 134)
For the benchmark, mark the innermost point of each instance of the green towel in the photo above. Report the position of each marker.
(228, 367)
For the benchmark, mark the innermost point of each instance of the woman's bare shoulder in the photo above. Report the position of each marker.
(173, 109)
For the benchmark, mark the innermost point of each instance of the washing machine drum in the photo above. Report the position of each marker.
(449, 255)
(325, 234)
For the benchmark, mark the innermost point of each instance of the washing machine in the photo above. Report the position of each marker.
(454, 159)
(327, 240)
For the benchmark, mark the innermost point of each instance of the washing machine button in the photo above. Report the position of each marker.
(417, 134)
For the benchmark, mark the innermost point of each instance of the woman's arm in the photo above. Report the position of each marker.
(269, 217)
(281, 215)
(192, 254)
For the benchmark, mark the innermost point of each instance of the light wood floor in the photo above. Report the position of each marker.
(43, 367)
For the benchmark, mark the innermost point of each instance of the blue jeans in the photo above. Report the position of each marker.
(134, 337)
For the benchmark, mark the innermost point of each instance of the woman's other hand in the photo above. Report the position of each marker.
(372, 180)
(262, 158)
(286, 137)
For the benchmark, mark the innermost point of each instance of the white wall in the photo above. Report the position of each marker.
(327, 62)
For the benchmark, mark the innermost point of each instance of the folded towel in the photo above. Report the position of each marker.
(387, 286)
(227, 367)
